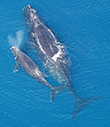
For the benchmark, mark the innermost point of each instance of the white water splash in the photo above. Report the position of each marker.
(16, 41)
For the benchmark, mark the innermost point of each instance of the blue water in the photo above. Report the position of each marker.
(83, 26)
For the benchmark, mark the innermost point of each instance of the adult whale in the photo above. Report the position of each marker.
(49, 50)
(32, 69)
(52, 54)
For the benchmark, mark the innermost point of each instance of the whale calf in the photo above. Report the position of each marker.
(52, 54)
(32, 69)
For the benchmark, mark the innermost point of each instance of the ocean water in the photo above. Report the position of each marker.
(83, 26)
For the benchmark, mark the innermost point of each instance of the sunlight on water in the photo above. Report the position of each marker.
(16, 41)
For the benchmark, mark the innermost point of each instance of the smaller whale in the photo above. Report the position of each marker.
(33, 70)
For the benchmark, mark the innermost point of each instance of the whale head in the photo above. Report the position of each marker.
(30, 16)
(27, 13)
(14, 51)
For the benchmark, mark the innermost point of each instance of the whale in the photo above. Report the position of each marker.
(53, 55)
(32, 69)
(49, 50)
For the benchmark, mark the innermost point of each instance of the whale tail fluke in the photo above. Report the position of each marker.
(54, 91)
(82, 103)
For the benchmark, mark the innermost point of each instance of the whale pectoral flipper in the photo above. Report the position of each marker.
(16, 67)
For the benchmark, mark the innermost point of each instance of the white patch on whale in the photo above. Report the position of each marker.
(57, 55)
(37, 72)
(40, 46)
